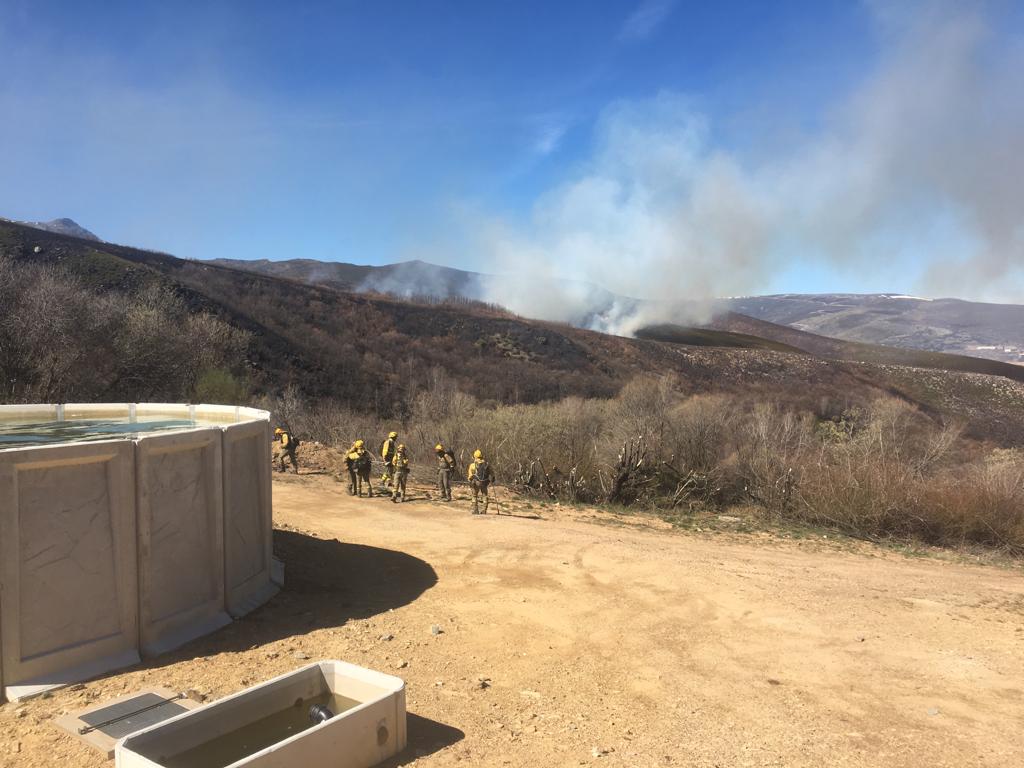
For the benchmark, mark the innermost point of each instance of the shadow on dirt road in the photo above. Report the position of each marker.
(426, 737)
(327, 583)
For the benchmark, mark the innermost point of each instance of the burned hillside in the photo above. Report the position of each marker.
(376, 352)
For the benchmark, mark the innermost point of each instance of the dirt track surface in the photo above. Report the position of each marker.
(567, 643)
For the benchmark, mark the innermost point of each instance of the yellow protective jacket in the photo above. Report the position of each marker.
(480, 472)
(387, 450)
(401, 461)
(286, 439)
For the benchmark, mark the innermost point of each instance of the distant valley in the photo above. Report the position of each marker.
(993, 331)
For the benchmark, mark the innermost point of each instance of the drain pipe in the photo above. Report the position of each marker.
(318, 713)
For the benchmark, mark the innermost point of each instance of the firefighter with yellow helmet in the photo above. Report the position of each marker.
(284, 449)
(359, 465)
(387, 454)
(445, 470)
(480, 476)
(400, 470)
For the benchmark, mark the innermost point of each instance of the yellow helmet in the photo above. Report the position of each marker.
(478, 454)
(358, 443)
(438, 447)
(401, 446)
(278, 431)
(392, 435)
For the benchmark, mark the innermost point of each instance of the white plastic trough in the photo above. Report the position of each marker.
(371, 731)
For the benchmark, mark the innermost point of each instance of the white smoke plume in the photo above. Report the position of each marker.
(411, 279)
(923, 161)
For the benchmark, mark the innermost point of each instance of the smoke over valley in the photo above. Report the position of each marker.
(919, 165)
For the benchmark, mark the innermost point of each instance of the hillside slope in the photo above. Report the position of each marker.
(409, 278)
(994, 331)
(376, 352)
(714, 337)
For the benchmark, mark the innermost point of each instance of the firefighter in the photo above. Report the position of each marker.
(387, 453)
(353, 461)
(284, 448)
(400, 467)
(480, 476)
(364, 468)
(445, 470)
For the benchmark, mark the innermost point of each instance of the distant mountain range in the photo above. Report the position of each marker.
(993, 331)
(363, 350)
(60, 227)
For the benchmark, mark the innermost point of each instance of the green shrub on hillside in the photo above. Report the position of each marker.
(219, 385)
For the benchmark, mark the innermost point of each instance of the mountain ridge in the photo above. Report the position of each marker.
(62, 226)
(956, 326)
(376, 352)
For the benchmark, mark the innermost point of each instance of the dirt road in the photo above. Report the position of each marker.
(564, 643)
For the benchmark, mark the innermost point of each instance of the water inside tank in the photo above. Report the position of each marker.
(260, 734)
(84, 430)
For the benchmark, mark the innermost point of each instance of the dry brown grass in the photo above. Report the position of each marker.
(883, 471)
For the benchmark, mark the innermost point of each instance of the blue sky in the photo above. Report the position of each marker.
(377, 132)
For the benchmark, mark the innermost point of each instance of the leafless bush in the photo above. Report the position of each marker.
(897, 474)
(701, 430)
(771, 449)
(633, 473)
(441, 413)
(60, 341)
(883, 470)
(643, 408)
(983, 505)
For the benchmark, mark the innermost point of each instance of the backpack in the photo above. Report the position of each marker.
(484, 473)
(451, 465)
(364, 462)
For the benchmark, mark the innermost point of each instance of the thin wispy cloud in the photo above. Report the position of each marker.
(648, 16)
(550, 131)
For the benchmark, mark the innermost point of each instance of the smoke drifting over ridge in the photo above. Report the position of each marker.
(922, 165)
